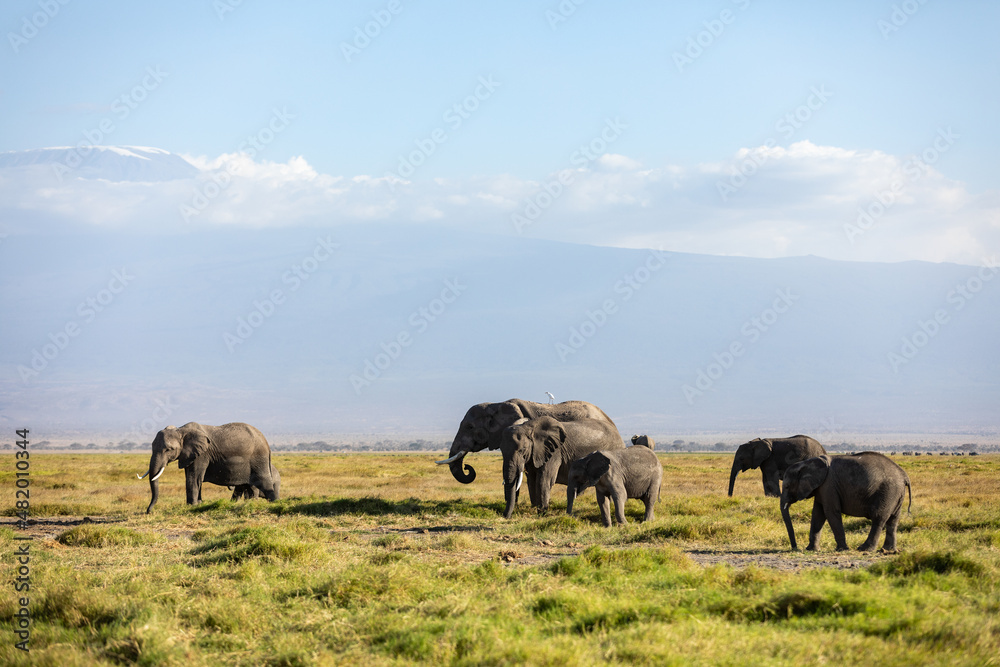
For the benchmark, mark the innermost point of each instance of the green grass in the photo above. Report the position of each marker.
(385, 560)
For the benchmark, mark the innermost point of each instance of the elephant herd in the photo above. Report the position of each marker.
(576, 444)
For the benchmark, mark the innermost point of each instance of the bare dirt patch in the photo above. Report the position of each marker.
(785, 560)
(48, 528)
(541, 552)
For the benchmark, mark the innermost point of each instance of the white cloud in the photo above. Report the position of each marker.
(764, 202)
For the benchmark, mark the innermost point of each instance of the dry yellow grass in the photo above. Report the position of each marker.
(385, 559)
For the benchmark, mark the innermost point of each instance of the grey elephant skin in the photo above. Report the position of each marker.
(229, 455)
(773, 456)
(545, 448)
(250, 492)
(643, 441)
(866, 484)
(620, 474)
(484, 424)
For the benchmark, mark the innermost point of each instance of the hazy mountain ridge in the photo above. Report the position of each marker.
(396, 328)
(308, 330)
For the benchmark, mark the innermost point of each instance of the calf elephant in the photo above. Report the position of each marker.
(483, 427)
(773, 456)
(547, 447)
(229, 455)
(867, 484)
(619, 474)
(249, 492)
(643, 441)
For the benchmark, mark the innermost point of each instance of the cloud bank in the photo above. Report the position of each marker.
(767, 201)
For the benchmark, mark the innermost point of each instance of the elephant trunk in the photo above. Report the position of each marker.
(465, 474)
(732, 478)
(511, 488)
(787, 517)
(456, 461)
(571, 492)
(157, 464)
(510, 495)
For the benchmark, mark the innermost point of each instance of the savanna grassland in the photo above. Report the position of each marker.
(385, 559)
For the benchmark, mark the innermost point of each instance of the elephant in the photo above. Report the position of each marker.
(772, 456)
(229, 455)
(866, 484)
(247, 491)
(634, 472)
(643, 441)
(547, 447)
(483, 427)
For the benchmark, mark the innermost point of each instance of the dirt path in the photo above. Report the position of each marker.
(513, 552)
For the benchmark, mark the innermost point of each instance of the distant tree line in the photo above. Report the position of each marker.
(423, 445)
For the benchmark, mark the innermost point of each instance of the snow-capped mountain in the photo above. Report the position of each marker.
(110, 163)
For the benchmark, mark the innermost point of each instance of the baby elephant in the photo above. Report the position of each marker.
(634, 472)
(865, 484)
(249, 491)
(643, 441)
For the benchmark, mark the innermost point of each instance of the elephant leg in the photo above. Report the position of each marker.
(772, 485)
(619, 497)
(603, 504)
(816, 525)
(532, 479)
(890, 532)
(191, 487)
(546, 478)
(648, 501)
(878, 523)
(837, 528)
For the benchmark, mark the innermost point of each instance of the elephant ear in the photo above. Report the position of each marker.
(549, 437)
(195, 444)
(598, 466)
(813, 474)
(760, 452)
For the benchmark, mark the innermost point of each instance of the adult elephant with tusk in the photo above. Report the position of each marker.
(546, 448)
(229, 455)
(773, 456)
(484, 424)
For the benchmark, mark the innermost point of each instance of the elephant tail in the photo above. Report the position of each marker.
(909, 492)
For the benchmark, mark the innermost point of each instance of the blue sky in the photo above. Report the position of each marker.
(893, 74)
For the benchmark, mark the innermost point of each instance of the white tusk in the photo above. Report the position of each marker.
(137, 475)
(786, 506)
(453, 458)
(519, 480)
(158, 474)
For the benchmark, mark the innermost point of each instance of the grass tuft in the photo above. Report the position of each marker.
(267, 542)
(58, 509)
(100, 537)
(941, 562)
